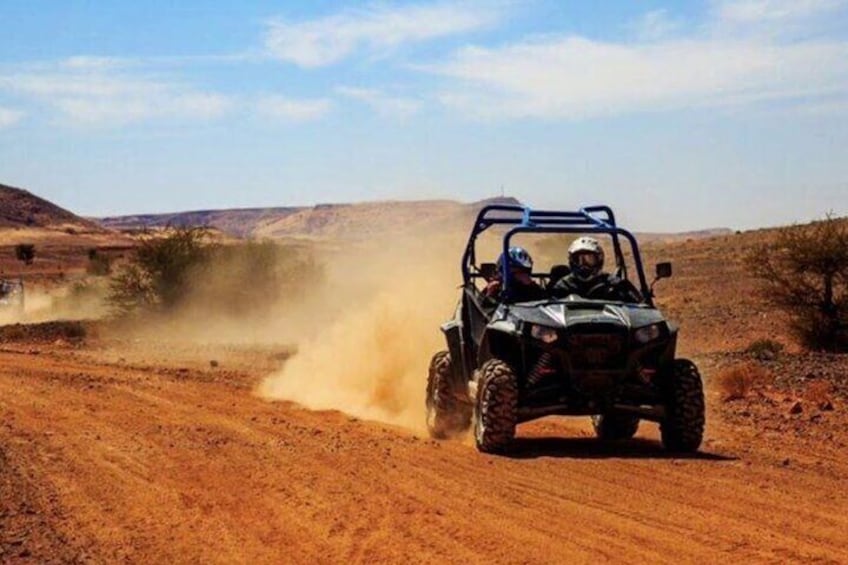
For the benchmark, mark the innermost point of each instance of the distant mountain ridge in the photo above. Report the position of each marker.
(21, 209)
(239, 222)
(343, 220)
(331, 220)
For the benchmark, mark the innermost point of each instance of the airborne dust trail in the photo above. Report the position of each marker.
(381, 312)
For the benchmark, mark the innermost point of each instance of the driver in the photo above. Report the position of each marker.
(522, 288)
(587, 279)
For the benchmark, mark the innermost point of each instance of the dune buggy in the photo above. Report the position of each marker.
(510, 362)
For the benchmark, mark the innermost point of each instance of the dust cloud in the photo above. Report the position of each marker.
(373, 329)
(74, 301)
(363, 329)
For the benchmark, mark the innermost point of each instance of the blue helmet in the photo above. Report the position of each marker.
(518, 257)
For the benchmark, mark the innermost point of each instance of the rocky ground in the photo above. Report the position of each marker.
(126, 450)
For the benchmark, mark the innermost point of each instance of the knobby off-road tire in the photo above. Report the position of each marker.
(496, 408)
(446, 415)
(611, 427)
(683, 427)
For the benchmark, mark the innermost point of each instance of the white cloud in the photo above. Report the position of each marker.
(294, 110)
(331, 39)
(382, 103)
(655, 24)
(86, 62)
(59, 84)
(575, 77)
(87, 93)
(763, 11)
(9, 117)
(114, 111)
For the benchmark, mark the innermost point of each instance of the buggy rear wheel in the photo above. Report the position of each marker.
(682, 429)
(611, 427)
(446, 414)
(496, 407)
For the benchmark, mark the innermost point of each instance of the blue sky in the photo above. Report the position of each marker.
(681, 115)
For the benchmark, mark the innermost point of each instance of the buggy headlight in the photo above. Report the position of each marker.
(543, 334)
(648, 333)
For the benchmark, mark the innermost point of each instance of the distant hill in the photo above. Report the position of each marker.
(344, 220)
(21, 209)
(356, 220)
(681, 236)
(240, 222)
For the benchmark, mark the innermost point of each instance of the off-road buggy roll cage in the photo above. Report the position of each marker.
(590, 219)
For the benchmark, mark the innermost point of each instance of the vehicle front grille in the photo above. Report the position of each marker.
(597, 351)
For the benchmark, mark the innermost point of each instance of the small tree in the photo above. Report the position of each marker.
(25, 252)
(159, 272)
(805, 273)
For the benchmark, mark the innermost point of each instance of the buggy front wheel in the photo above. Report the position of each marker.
(496, 407)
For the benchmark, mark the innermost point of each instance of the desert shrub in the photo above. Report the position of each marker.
(736, 381)
(184, 270)
(81, 299)
(244, 280)
(73, 330)
(157, 276)
(99, 264)
(764, 349)
(44, 331)
(804, 272)
(25, 252)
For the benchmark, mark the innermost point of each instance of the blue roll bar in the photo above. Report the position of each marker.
(589, 219)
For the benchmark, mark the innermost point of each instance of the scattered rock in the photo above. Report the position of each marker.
(213, 363)
(786, 462)
(796, 408)
(826, 406)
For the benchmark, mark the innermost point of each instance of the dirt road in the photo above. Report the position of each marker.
(106, 459)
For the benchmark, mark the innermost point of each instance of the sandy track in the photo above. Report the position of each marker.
(101, 461)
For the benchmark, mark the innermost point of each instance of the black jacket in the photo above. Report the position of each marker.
(602, 287)
(518, 291)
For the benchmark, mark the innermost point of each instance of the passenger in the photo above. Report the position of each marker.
(587, 279)
(522, 287)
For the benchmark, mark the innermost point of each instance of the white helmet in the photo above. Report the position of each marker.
(585, 257)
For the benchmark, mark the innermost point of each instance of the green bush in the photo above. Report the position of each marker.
(157, 275)
(184, 270)
(804, 272)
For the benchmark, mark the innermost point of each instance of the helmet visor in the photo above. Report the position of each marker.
(587, 260)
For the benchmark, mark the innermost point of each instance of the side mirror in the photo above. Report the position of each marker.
(663, 271)
(488, 271)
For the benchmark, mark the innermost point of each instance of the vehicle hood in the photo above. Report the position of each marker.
(567, 313)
